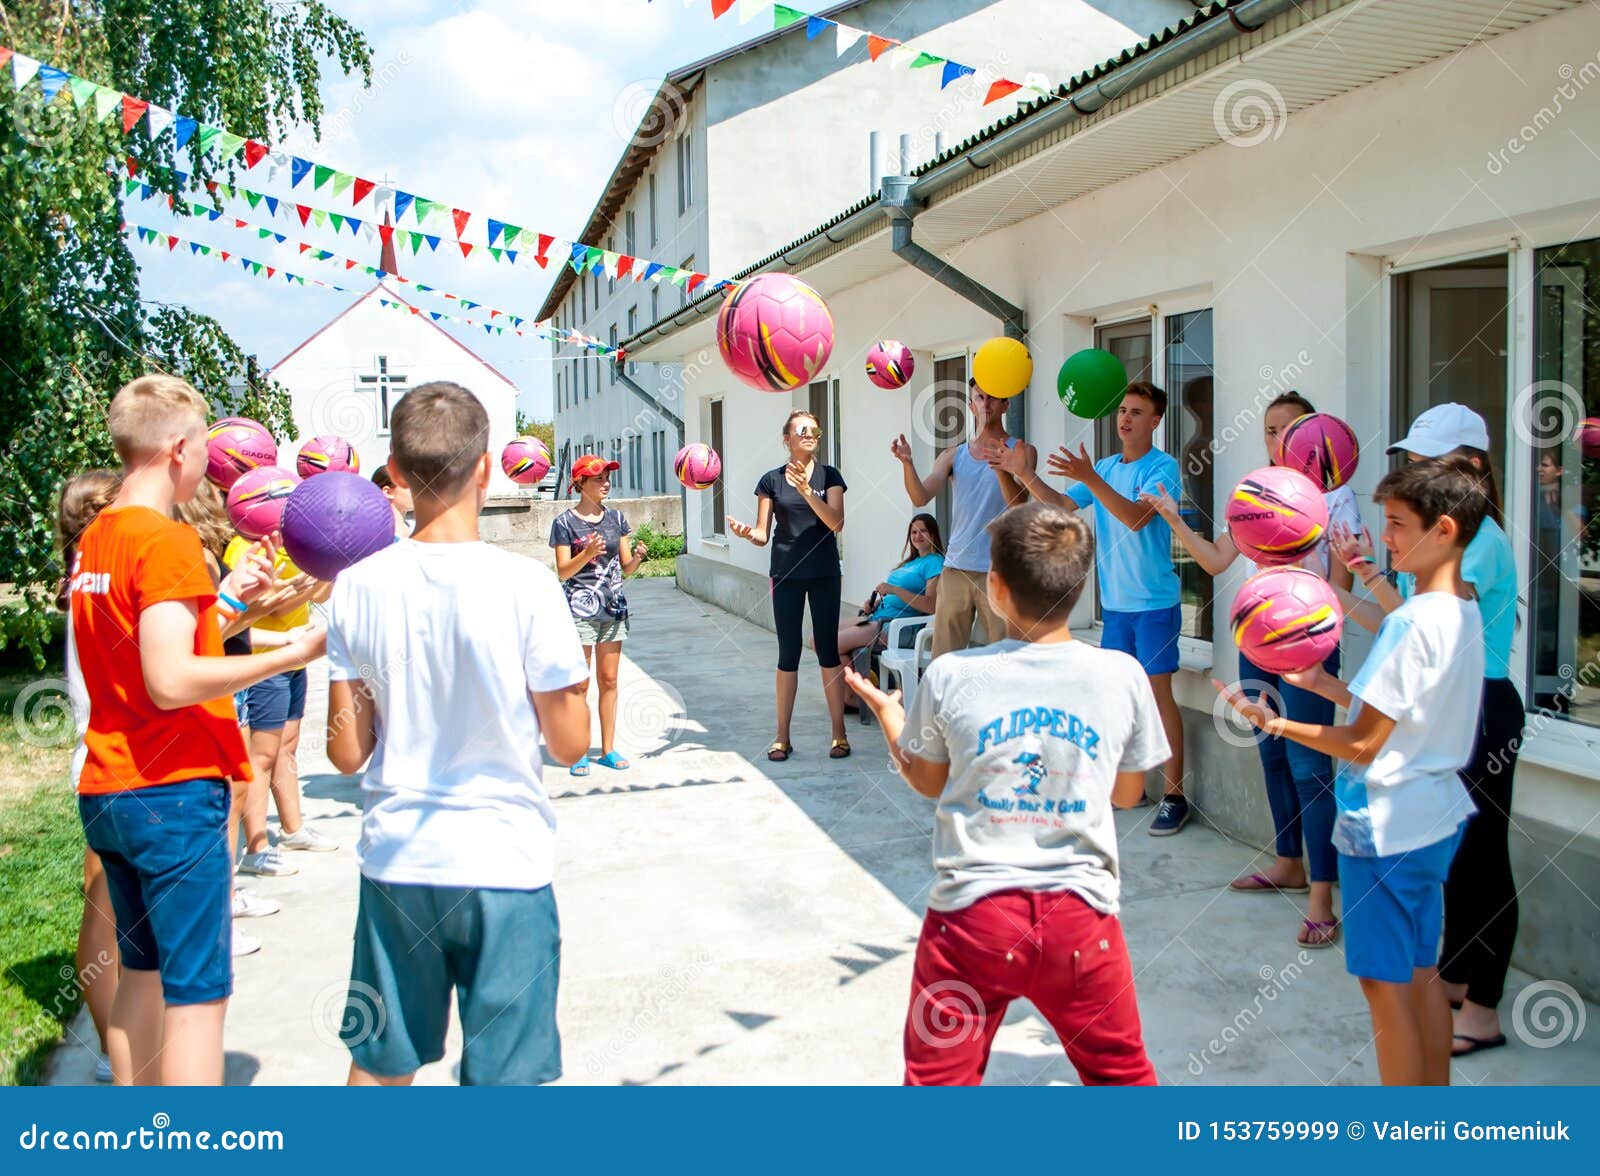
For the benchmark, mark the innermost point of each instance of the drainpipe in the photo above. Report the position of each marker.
(897, 200)
(677, 421)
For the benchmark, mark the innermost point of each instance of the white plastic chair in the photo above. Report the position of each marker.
(910, 649)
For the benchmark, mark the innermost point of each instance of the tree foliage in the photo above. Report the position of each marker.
(72, 326)
(544, 430)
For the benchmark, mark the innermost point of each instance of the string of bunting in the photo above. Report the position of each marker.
(157, 120)
(879, 48)
(161, 238)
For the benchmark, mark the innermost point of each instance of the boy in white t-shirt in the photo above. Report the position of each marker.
(1027, 744)
(1413, 718)
(449, 659)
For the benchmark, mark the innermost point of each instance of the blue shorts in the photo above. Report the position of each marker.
(168, 869)
(276, 701)
(241, 706)
(498, 951)
(1394, 910)
(1151, 636)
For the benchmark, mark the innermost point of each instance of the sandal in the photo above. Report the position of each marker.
(1475, 1044)
(613, 761)
(839, 749)
(779, 751)
(1261, 884)
(1316, 934)
(581, 768)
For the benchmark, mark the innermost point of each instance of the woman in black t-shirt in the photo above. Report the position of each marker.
(800, 511)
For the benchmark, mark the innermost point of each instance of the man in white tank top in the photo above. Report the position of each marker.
(980, 494)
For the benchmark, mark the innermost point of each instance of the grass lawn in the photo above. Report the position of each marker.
(659, 567)
(41, 871)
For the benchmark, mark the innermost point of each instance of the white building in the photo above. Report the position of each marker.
(1385, 204)
(347, 378)
(754, 145)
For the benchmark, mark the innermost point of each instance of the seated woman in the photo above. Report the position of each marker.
(911, 589)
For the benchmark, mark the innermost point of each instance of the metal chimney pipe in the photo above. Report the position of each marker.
(904, 168)
(873, 162)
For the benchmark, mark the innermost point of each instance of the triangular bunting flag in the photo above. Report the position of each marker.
(749, 9)
(304, 245)
(511, 255)
(172, 243)
(460, 216)
(783, 16)
(433, 241)
(320, 217)
(386, 232)
(23, 68)
(652, 272)
(1000, 89)
(545, 241)
(157, 119)
(298, 170)
(350, 263)
(579, 253)
(82, 90)
(363, 189)
(493, 252)
(595, 259)
(901, 55)
(342, 182)
(320, 175)
(263, 234)
(272, 205)
(105, 101)
(336, 220)
(416, 242)
(816, 26)
(132, 110)
(355, 225)
(271, 270)
(954, 70)
(624, 265)
(495, 229)
(925, 59)
(402, 201)
(718, 7)
(254, 198)
(51, 80)
(695, 280)
(303, 212)
(677, 276)
(254, 152)
(876, 45)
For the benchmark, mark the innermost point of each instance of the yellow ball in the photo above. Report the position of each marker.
(1002, 367)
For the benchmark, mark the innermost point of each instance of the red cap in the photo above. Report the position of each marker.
(591, 464)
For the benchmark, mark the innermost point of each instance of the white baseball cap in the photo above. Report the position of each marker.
(1443, 428)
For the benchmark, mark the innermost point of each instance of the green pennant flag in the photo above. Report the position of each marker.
(783, 16)
(509, 235)
(256, 267)
(320, 175)
(338, 221)
(369, 269)
(342, 182)
(263, 234)
(422, 209)
(677, 276)
(254, 198)
(323, 255)
(227, 191)
(205, 250)
(196, 209)
(299, 279)
(416, 242)
(320, 217)
(924, 59)
(206, 136)
(228, 145)
(130, 186)
(591, 255)
(495, 252)
(106, 100)
(82, 90)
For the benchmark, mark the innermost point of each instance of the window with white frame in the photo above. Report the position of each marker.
(685, 172)
(715, 524)
(658, 454)
(633, 328)
(655, 304)
(629, 239)
(611, 280)
(1188, 370)
(655, 224)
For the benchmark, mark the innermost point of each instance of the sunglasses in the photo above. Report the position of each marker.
(807, 431)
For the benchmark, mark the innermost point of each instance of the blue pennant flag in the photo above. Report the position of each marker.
(380, 274)
(51, 80)
(433, 242)
(468, 303)
(146, 191)
(194, 248)
(816, 26)
(299, 169)
(355, 225)
(579, 252)
(214, 214)
(402, 201)
(272, 205)
(279, 238)
(487, 328)
(184, 127)
(421, 289)
(512, 254)
(495, 229)
(954, 70)
(436, 315)
(651, 270)
(517, 319)
(245, 262)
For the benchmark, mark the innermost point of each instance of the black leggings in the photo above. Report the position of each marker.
(1480, 896)
(788, 610)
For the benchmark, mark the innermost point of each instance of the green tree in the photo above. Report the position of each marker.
(79, 329)
(544, 430)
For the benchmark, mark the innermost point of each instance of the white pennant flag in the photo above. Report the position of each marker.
(749, 8)
(847, 37)
(900, 55)
(157, 119)
(23, 68)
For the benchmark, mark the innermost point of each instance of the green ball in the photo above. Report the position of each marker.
(1091, 383)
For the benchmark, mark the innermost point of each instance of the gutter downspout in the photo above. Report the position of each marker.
(898, 200)
(677, 421)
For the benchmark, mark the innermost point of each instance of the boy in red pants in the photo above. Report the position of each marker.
(1027, 744)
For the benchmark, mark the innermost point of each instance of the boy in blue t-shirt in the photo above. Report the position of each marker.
(1413, 717)
(1139, 587)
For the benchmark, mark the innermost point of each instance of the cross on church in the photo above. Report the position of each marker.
(381, 383)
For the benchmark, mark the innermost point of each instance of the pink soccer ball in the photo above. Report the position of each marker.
(327, 453)
(1286, 620)
(1589, 436)
(234, 445)
(697, 465)
(1276, 516)
(775, 332)
(525, 460)
(256, 501)
(1320, 446)
(889, 364)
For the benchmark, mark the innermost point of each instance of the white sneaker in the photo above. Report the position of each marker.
(252, 906)
(267, 864)
(243, 944)
(102, 1069)
(308, 839)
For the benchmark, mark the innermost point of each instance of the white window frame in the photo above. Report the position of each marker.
(685, 156)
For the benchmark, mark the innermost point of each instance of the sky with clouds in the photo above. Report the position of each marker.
(516, 110)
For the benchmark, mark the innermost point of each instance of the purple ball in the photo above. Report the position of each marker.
(335, 520)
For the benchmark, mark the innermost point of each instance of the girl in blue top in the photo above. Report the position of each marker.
(912, 588)
(1480, 895)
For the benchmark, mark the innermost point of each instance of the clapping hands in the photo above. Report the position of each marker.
(1079, 467)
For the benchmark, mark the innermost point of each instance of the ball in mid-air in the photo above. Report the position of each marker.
(697, 465)
(1276, 516)
(890, 364)
(1320, 446)
(234, 445)
(525, 460)
(327, 453)
(774, 332)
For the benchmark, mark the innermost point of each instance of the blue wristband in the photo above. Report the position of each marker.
(237, 606)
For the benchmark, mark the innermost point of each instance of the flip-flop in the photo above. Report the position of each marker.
(840, 749)
(1475, 1044)
(1315, 934)
(581, 768)
(779, 751)
(613, 761)
(1261, 884)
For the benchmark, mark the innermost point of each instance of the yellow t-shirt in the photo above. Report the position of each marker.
(286, 569)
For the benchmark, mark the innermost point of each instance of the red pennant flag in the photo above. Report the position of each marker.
(361, 191)
(1000, 89)
(211, 185)
(132, 111)
(305, 213)
(172, 243)
(466, 250)
(270, 271)
(349, 263)
(461, 217)
(718, 7)
(226, 255)
(132, 166)
(492, 313)
(5, 55)
(170, 202)
(239, 224)
(876, 45)
(545, 241)
(304, 247)
(695, 280)
(413, 310)
(624, 264)
(385, 231)
(254, 152)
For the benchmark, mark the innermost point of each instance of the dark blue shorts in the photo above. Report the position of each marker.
(166, 860)
(499, 951)
(1394, 910)
(1151, 636)
(276, 701)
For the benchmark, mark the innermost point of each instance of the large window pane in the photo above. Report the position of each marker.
(1131, 343)
(1565, 556)
(1188, 436)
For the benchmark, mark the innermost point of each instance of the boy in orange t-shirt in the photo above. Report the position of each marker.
(162, 737)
